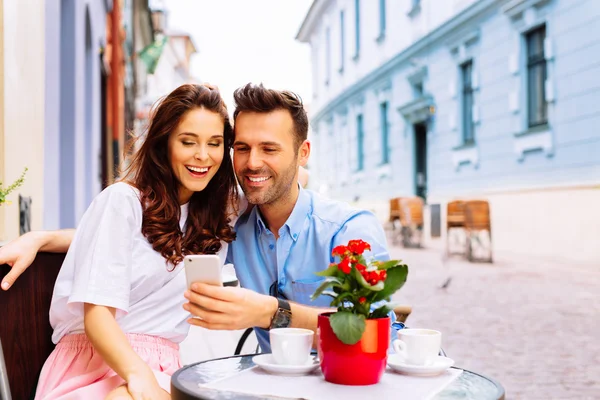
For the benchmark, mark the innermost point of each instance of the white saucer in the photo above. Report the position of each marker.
(440, 365)
(266, 362)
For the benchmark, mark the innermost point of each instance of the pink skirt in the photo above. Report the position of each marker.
(75, 370)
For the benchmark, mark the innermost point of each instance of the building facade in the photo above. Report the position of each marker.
(492, 99)
(68, 68)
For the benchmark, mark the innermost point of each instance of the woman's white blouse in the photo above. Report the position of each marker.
(111, 263)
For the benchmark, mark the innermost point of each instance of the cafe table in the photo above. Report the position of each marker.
(184, 383)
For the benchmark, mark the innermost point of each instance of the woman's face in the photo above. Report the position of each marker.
(196, 149)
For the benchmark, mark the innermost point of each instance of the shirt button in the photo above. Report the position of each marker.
(295, 235)
(271, 246)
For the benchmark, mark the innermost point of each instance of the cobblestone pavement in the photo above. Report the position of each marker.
(531, 325)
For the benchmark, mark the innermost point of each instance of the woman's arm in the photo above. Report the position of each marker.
(109, 340)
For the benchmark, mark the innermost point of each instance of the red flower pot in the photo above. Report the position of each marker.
(362, 363)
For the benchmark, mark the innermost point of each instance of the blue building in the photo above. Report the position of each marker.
(447, 99)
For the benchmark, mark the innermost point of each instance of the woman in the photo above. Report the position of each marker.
(117, 304)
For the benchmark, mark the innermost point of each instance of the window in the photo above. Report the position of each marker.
(468, 131)
(417, 89)
(385, 145)
(416, 3)
(327, 55)
(360, 141)
(537, 107)
(356, 28)
(381, 19)
(342, 41)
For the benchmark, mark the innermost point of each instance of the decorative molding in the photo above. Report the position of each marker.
(438, 35)
(415, 10)
(549, 88)
(452, 90)
(316, 11)
(384, 171)
(418, 110)
(534, 140)
(418, 75)
(513, 102)
(513, 63)
(465, 155)
(515, 8)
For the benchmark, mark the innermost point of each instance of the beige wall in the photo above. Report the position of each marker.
(22, 133)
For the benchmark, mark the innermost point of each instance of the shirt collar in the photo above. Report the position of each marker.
(295, 221)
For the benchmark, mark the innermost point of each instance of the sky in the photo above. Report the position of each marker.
(241, 41)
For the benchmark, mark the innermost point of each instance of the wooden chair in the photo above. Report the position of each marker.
(479, 229)
(25, 330)
(402, 312)
(406, 216)
(455, 219)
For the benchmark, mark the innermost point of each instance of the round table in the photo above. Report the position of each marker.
(184, 383)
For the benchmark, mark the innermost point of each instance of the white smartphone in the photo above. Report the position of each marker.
(205, 268)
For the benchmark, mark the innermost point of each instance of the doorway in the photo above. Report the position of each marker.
(421, 160)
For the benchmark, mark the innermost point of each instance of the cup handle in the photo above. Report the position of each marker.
(399, 347)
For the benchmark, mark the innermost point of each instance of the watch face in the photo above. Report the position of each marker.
(282, 319)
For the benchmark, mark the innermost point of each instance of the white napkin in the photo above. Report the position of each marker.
(257, 382)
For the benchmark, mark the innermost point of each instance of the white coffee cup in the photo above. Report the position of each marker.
(418, 346)
(291, 346)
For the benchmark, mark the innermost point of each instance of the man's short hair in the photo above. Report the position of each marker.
(257, 98)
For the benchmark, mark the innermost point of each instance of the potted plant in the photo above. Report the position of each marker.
(6, 191)
(353, 341)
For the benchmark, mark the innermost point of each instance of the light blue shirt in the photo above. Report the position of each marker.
(304, 247)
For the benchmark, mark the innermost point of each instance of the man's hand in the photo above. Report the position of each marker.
(228, 308)
(19, 254)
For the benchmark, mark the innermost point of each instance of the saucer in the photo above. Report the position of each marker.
(439, 365)
(266, 362)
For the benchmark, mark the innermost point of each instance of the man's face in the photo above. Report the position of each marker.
(264, 157)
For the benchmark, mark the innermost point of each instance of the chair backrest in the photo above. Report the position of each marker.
(395, 208)
(411, 211)
(477, 215)
(455, 216)
(25, 330)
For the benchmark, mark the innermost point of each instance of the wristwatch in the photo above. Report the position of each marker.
(283, 316)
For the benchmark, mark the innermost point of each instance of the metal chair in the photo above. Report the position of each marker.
(25, 330)
(4, 386)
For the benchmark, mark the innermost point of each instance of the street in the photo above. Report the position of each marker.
(531, 325)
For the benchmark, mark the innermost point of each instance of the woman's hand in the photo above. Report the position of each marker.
(144, 386)
(19, 254)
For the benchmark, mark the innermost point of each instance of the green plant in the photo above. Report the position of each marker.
(360, 290)
(5, 192)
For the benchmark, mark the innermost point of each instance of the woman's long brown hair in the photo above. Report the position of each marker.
(151, 173)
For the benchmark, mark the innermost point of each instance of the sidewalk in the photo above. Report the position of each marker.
(531, 325)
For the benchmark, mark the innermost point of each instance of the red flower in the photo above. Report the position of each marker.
(339, 250)
(344, 266)
(360, 267)
(382, 275)
(362, 300)
(358, 246)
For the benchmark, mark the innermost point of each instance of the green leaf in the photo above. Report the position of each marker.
(359, 278)
(385, 265)
(331, 271)
(381, 312)
(348, 327)
(396, 277)
(327, 283)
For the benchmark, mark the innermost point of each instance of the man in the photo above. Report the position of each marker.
(281, 243)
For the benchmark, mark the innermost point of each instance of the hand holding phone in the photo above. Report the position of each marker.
(205, 268)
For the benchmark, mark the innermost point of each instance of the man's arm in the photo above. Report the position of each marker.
(232, 308)
(21, 252)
